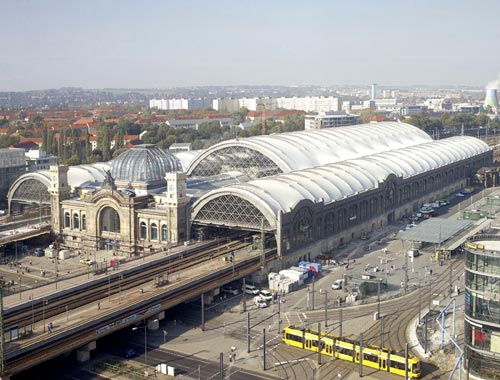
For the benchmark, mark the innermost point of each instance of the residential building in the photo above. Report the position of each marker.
(226, 105)
(37, 159)
(180, 104)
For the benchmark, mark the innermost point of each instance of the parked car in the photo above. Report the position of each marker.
(266, 295)
(127, 353)
(258, 301)
(251, 289)
(337, 284)
(87, 262)
(229, 290)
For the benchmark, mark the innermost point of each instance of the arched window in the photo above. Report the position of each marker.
(110, 220)
(84, 222)
(143, 230)
(154, 231)
(76, 221)
(67, 220)
(164, 233)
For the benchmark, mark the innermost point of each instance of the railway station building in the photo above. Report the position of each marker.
(317, 188)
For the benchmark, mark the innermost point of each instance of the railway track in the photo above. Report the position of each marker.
(27, 353)
(37, 310)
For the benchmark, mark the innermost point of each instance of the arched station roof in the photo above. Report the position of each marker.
(333, 182)
(33, 186)
(261, 156)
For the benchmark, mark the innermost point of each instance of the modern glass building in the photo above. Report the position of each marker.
(482, 306)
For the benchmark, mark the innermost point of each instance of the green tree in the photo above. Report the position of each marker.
(6, 141)
(45, 135)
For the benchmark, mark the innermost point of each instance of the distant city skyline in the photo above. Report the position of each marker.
(162, 44)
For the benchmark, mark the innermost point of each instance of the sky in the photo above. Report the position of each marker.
(176, 43)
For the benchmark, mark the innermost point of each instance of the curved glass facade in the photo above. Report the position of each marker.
(482, 307)
(236, 158)
(231, 209)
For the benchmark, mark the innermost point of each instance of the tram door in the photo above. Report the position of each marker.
(308, 343)
(382, 363)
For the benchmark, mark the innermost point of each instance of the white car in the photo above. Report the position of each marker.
(87, 262)
(337, 284)
(229, 290)
(259, 302)
(250, 289)
(266, 295)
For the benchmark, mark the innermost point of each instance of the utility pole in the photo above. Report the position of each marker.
(319, 343)
(382, 331)
(262, 245)
(406, 267)
(361, 355)
(248, 332)
(221, 365)
(451, 276)
(2, 339)
(312, 294)
(264, 349)
(419, 299)
(406, 361)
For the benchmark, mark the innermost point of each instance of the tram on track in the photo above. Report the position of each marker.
(380, 358)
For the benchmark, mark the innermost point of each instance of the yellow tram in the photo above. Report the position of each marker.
(380, 358)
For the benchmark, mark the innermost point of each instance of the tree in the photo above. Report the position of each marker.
(422, 121)
(6, 141)
(45, 135)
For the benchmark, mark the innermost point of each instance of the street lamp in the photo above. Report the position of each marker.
(145, 327)
(20, 286)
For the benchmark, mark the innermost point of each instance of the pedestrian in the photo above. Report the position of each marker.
(230, 357)
(98, 306)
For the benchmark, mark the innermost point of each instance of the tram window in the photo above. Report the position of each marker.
(314, 343)
(398, 365)
(370, 357)
(295, 338)
(344, 351)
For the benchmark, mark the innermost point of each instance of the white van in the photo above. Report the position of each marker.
(250, 289)
(413, 253)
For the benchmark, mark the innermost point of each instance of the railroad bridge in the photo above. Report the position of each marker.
(186, 275)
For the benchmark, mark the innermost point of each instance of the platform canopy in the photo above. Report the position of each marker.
(435, 230)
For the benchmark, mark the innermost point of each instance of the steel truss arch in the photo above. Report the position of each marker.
(234, 209)
(28, 189)
(236, 157)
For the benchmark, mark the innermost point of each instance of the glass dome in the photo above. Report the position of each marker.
(144, 163)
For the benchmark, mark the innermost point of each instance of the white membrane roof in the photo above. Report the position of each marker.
(336, 181)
